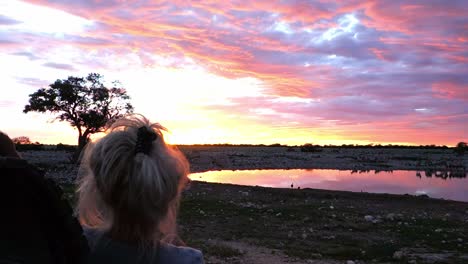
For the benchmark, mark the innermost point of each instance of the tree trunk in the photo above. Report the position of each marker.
(82, 141)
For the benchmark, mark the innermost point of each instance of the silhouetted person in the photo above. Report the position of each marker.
(36, 225)
(7, 147)
(131, 183)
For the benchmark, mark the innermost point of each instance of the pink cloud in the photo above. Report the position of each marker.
(396, 58)
(450, 90)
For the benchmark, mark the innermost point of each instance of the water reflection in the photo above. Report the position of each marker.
(445, 174)
(447, 184)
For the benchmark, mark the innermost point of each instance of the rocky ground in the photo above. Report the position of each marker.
(241, 224)
(231, 223)
(204, 158)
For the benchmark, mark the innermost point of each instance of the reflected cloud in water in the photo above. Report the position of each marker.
(449, 184)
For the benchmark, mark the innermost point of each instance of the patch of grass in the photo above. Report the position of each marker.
(407, 158)
(437, 234)
(45, 166)
(69, 193)
(68, 189)
(342, 252)
(382, 251)
(212, 249)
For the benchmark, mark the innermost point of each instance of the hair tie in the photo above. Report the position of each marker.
(145, 140)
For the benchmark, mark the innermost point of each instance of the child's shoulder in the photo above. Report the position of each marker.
(182, 254)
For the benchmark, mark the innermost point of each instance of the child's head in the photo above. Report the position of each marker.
(131, 182)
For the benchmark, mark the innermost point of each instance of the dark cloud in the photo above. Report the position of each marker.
(60, 66)
(4, 20)
(26, 54)
(34, 82)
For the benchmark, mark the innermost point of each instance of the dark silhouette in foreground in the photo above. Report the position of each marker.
(37, 224)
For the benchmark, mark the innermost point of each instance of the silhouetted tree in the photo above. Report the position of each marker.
(23, 140)
(86, 103)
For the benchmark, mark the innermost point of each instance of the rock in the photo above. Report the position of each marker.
(438, 230)
(290, 234)
(460, 240)
(390, 217)
(350, 262)
(304, 235)
(278, 214)
(369, 218)
(332, 207)
(398, 255)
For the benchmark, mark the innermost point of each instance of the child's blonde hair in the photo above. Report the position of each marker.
(131, 194)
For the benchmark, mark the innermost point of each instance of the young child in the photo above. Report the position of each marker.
(130, 188)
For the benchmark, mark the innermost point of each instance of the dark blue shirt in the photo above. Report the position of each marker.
(106, 250)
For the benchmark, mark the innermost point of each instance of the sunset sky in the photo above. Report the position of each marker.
(289, 72)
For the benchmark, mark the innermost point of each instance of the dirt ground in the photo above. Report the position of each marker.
(242, 224)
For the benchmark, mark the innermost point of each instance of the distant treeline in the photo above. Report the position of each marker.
(38, 146)
(305, 147)
(320, 146)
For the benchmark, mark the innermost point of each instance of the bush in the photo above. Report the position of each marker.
(26, 147)
(64, 147)
(310, 148)
(461, 148)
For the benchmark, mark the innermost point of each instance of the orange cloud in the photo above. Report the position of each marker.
(362, 64)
